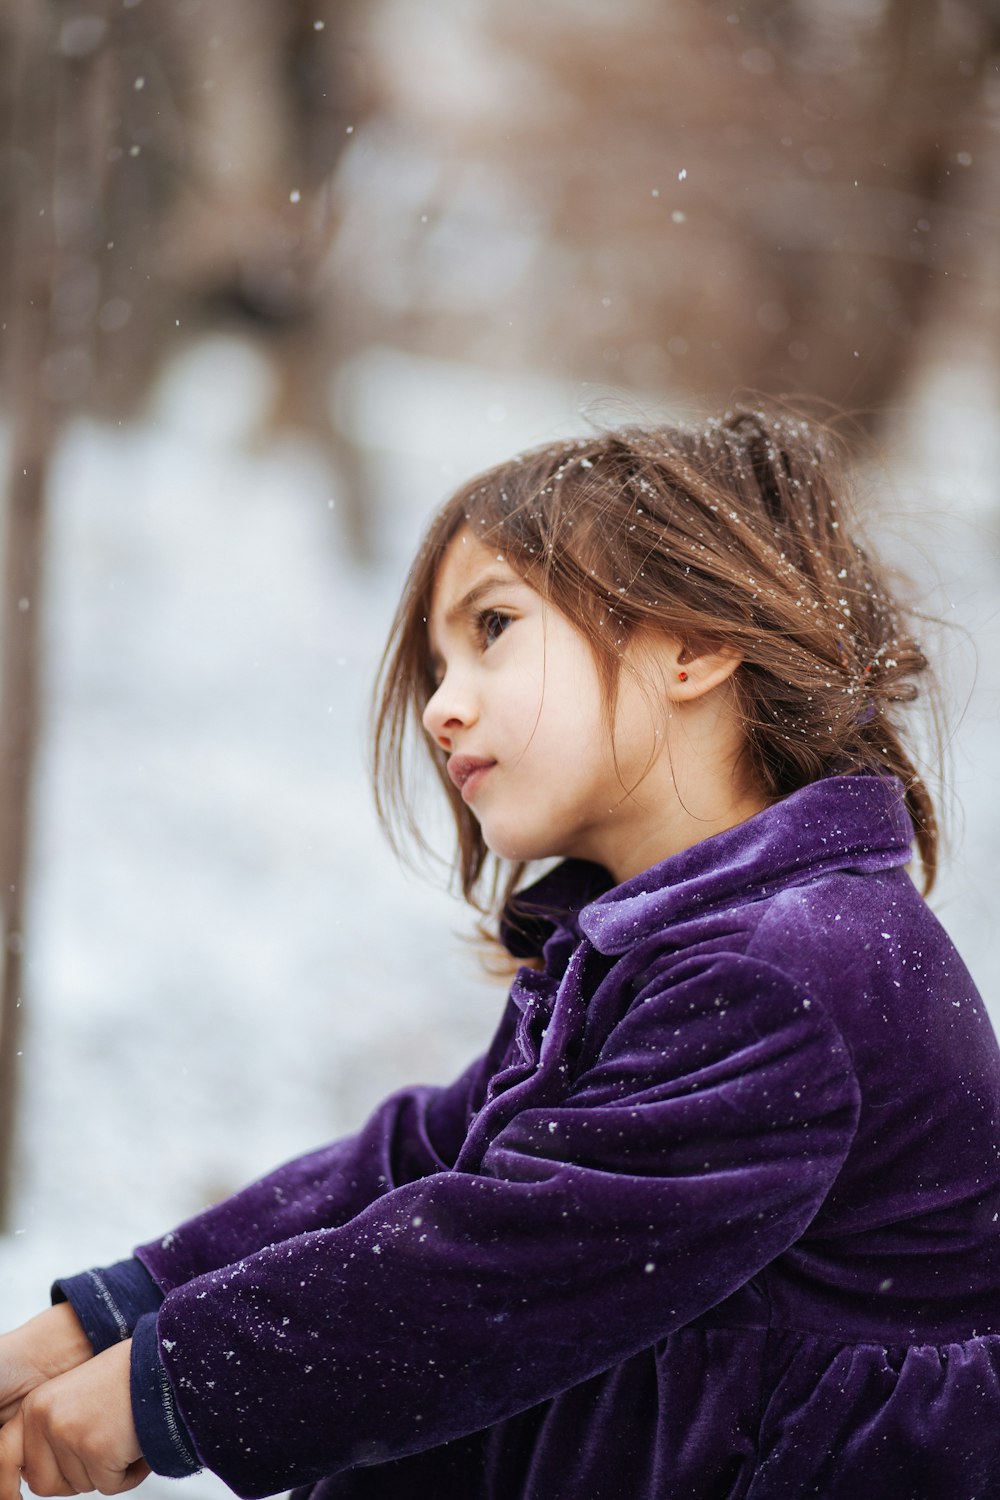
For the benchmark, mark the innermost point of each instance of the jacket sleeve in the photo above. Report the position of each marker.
(109, 1300)
(696, 1147)
(414, 1132)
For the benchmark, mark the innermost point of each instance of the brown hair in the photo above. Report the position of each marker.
(734, 532)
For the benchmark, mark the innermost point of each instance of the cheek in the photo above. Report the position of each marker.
(573, 722)
(523, 702)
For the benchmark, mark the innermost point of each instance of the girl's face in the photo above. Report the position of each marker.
(519, 712)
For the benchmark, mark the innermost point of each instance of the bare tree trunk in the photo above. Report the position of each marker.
(32, 427)
(18, 740)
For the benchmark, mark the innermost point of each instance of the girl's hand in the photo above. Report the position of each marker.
(75, 1433)
(46, 1346)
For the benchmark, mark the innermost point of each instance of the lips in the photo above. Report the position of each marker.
(467, 771)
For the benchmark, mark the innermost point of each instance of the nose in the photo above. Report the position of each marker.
(449, 710)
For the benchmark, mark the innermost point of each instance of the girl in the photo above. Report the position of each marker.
(717, 1213)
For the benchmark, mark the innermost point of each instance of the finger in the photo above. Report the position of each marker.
(59, 1486)
(48, 1469)
(137, 1472)
(11, 1458)
(43, 1474)
(87, 1473)
(52, 1468)
(117, 1482)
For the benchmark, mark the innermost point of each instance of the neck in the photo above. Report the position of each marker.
(681, 827)
(696, 787)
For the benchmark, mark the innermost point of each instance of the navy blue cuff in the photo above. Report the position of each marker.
(109, 1302)
(163, 1436)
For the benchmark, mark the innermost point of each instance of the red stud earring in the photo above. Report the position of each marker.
(682, 677)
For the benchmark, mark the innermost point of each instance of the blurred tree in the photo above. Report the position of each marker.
(159, 168)
(212, 130)
(681, 196)
(49, 294)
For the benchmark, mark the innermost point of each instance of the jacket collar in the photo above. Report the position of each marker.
(857, 823)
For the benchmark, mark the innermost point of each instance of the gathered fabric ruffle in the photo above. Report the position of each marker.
(732, 1414)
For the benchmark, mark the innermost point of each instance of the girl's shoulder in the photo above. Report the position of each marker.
(871, 953)
(844, 926)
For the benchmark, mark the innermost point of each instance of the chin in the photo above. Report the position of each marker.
(520, 848)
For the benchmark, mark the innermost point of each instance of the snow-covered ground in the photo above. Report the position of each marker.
(225, 964)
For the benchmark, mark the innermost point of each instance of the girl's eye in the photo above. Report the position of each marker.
(492, 624)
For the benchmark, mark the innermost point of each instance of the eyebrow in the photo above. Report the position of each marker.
(465, 607)
(469, 600)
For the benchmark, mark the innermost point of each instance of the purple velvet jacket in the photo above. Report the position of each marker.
(717, 1215)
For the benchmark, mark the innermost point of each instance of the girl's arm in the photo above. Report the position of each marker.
(414, 1132)
(698, 1146)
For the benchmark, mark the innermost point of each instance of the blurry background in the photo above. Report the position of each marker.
(272, 280)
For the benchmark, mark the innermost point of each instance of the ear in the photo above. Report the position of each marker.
(686, 671)
(694, 669)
